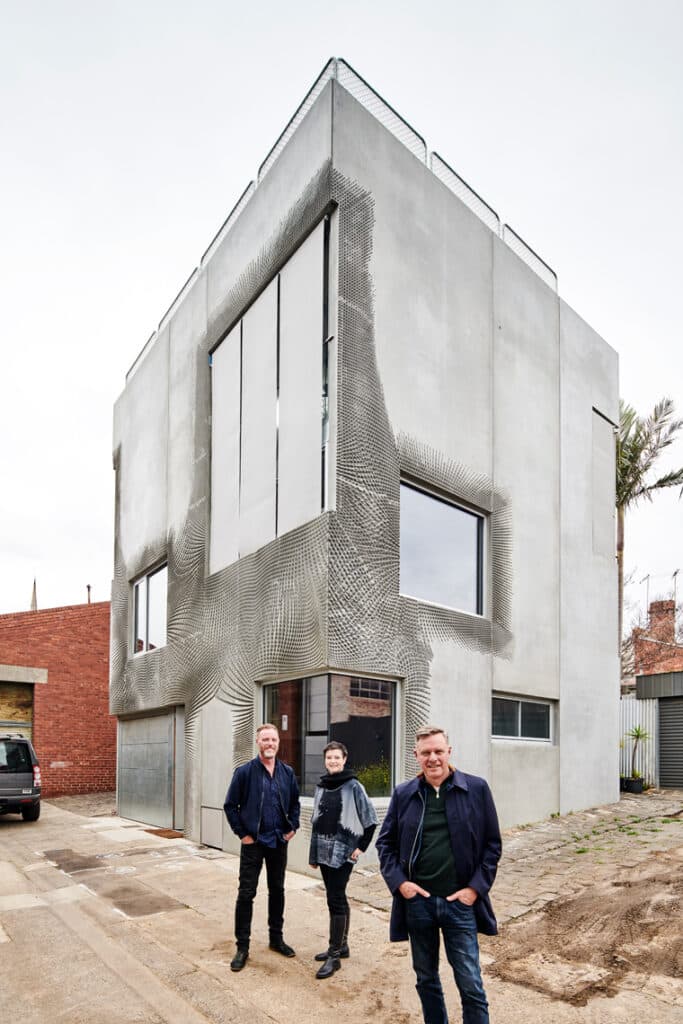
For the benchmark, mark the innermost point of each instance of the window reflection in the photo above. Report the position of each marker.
(149, 611)
(140, 615)
(157, 587)
(520, 719)
(441, 551)
(356, 711)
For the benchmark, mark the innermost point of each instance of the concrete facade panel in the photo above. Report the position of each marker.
(432, 272)
(525, 781)
(141, 431)
(300, 390)
(589, 704)
(526, 453)
(226, 374)
(259, 398)
(461, 702)
(604, 457)
(216, 745)
(187, 329)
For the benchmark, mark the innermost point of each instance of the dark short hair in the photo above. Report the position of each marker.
(430, 730)
(336, 745)
(267, 725)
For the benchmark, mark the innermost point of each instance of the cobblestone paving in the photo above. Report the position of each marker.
(564, 855)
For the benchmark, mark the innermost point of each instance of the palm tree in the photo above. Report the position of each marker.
(638, 735)
(641, 441)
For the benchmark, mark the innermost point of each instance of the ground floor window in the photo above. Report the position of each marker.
(521, 719)
(357, 711)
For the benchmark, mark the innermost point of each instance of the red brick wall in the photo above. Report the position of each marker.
(73, 732)
(654, 648)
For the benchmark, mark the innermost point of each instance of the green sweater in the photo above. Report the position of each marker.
(435, 869)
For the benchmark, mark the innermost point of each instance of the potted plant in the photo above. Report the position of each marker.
(634, 783)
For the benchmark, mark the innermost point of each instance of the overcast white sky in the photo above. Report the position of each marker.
(128, 130)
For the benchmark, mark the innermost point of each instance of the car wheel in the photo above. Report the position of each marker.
(31, 813)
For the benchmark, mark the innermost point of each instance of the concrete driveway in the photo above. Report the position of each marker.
(103, 921)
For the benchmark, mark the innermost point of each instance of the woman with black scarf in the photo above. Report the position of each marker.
(343, 824)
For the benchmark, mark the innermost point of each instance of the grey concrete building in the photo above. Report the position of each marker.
(365, 480)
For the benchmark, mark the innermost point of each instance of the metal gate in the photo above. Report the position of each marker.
(150, 769)
(671, 742)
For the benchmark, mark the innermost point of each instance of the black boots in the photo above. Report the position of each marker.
(344, 952)
(337, 932)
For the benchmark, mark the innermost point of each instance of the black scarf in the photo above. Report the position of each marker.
(336, 780)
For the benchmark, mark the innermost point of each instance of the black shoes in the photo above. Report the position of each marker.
(242, 955)
(239, 960)
(280, 946)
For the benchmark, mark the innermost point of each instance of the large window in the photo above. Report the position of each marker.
(356, 711)
(521, 719)
(441, 551)
(149, 610)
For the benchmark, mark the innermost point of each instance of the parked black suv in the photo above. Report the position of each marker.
(19, 777)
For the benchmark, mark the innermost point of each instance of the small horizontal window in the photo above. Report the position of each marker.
(149, 611)
(373, 689)
(521, 719)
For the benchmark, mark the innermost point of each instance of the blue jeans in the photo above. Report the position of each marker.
(456, 922)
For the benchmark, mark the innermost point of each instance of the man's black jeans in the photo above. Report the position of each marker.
(252, 856)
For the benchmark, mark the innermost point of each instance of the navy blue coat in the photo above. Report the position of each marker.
(244, 798)
(475, 841)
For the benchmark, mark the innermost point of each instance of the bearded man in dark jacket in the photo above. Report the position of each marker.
(262, 807)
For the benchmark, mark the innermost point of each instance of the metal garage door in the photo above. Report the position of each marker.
(147, 769)
(671, 741)
(16, 708)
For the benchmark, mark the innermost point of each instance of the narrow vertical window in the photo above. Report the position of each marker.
(149, 610)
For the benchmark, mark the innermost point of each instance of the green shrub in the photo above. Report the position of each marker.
(376, 778)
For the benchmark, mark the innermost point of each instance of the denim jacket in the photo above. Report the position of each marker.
(475, 842)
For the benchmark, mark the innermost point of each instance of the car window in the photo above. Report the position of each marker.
(14, 757)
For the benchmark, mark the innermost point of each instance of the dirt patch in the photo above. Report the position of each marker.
(90, 805)
(602, 940)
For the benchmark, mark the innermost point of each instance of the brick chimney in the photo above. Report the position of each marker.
(663, 621)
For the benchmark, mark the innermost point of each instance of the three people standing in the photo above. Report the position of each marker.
(438, 848)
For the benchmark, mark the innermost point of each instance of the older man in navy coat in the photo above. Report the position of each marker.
(439, 848)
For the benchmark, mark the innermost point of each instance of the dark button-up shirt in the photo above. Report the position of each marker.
(273, 825)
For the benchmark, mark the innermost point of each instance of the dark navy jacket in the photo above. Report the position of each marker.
(244, 798)
(475, 841)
